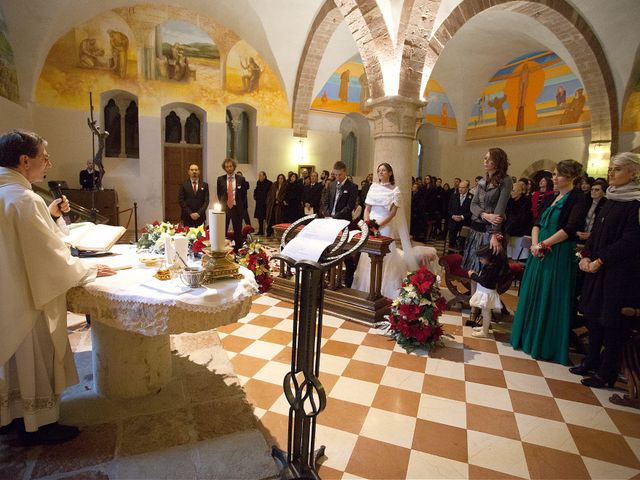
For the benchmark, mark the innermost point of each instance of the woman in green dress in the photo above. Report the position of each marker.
(547, 298)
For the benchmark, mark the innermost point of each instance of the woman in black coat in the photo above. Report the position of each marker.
(611, 264)
(260, 194)
(293, 200)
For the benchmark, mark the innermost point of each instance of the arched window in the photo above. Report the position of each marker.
(131, 135)
(112, 125)
(230, 136)
(242, 136)
(349, 151)
(192, 129)
(172, 128)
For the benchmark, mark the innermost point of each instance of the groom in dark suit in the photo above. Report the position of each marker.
(193, 198)
(339, 203)
(232, 194)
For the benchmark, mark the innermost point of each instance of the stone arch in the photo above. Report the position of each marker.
(543, 164)
(573, 31)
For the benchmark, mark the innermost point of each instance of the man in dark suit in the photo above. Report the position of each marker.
(459, 212)
(193, 198)
(246, 218)
(89, 177)
(339, 203)
(232, 194)
(312, 193)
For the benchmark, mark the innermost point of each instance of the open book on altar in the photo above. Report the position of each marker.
(89, 236)
(314, 238)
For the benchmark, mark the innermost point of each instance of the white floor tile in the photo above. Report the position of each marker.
(445, 368)
(333, 364)
(449, 319)
(426, 466)
(389, 427)
(250, 331)
(507, 349)
(348, 336)
(266, 300)
(558, 372)
(375, 355)
(488, 396)
(273, 372)
(634, 444)
(610, 471)
(356, 391)
(547, 433)
(278, 312)
(482, 359)
(264, 350)
(497, 453)
(339, 445)
(403, 379)
(331, 321)
(527, 383)
(250, 316)
(585, 415)
(443, 410)
(285, 326)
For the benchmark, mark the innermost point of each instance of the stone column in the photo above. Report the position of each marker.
(395, 122)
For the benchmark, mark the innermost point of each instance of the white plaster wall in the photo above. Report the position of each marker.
(13, 116)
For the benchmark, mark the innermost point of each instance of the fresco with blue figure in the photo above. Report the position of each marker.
(533, 92)
(438, 110)
(346, 91)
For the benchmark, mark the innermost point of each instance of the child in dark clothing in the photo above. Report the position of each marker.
(486, 297)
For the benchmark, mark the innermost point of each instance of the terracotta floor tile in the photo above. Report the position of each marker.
(446, 353)
(284, 356)
(480, 473)
(452, 329)
(372, 459)
(364, 371)
(355, 326)
(262, 394)
(328, 380)
(397, 400)
(276, 336)
(549, 463)
(379, 341)
(247, 366)
(274, 429)
(604, 446)
(229, 328)
(444, 387)
(328, 331)
(343, 415)
(572, 391)
(95, 444)
(259, 308)
(535, 405)
(520, 365)
(480, 345)
(415, 363)
(329, 473)
(440, 439)
(265, 320)
(341, 349)
(627, 422)
(484, 375)
(492, 421)
(232, 343)
(284, 304)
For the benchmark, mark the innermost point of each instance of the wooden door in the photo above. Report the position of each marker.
(177, 159)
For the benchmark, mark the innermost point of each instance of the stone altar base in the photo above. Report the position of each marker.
(200, 425)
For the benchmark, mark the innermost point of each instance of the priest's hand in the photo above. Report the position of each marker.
(59, 207)
(104, 271)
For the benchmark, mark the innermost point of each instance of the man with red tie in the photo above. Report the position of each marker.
(193, 198)
(232, 194)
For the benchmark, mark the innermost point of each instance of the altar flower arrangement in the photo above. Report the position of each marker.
(154, 234)
(374, 228)
(413, 321)
(255, 258)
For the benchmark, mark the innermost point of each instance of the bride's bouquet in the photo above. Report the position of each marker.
(413, 321)
(374, 228)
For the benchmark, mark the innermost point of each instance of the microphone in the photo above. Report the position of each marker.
(54, 188)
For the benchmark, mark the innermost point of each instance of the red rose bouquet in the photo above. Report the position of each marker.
(374, 228)
(255, 258)
(413, 321)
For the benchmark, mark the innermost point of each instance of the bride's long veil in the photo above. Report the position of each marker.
(400, 224)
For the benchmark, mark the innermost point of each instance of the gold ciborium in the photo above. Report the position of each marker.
(218, 265)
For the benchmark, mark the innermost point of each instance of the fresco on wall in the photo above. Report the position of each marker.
(438, 111)
(346, 91)
(534, 92)
(182, 49)
(8, 75)
(631, 113)
(206, 65)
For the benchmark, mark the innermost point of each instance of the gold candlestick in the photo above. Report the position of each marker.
(218, 265)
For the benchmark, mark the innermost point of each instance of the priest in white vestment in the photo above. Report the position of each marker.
(36, 363)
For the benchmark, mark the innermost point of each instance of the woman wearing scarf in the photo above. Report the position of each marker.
(612, 273)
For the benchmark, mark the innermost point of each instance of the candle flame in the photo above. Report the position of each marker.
(217, 208)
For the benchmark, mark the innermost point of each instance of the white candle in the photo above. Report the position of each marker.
(216, 228)
(169, 251)
(181, 245)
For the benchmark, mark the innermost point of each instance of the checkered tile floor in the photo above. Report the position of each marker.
(474, 409)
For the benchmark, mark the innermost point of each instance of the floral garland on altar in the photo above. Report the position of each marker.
(154, 234)
(255, 258)
(413, 321)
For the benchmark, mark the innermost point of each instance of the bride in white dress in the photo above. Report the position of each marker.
(382, 205)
